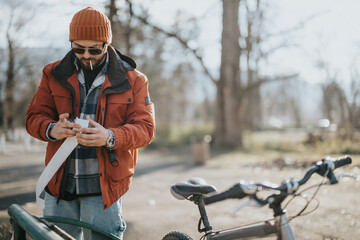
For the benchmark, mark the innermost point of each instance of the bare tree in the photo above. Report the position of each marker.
(19, 16)
(349, 106)
(124, 32)
(354, 101)
(283, 100)
(238, 100)
(340, 106)
(332, 102)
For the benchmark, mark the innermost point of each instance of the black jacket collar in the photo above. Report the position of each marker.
(118, 66)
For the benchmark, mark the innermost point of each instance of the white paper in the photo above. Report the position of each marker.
(55, 163)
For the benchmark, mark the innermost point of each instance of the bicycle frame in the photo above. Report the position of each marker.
(258, 230)
(280, 227)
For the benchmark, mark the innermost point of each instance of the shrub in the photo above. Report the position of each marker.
(173, 135)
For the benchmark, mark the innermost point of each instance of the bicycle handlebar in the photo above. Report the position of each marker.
(235, 191)
(240, 190)
(342, 161)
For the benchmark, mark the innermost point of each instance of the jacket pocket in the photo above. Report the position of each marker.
(117, 106)
(63, 101)
(60, 91)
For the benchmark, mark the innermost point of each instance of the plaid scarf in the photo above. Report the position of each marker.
(83, 175)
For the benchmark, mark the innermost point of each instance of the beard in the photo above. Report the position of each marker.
(85, 63)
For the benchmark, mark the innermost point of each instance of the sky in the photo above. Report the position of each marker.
(332, 34)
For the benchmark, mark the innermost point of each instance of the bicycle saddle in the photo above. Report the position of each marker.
(194, 186)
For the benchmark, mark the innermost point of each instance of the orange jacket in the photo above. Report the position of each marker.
(124, 106)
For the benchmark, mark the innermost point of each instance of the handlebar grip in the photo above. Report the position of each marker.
(328, 164)
(342, 161)
(234, 192)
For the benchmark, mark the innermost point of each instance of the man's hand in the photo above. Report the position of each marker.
(96, 136)
(63, 128)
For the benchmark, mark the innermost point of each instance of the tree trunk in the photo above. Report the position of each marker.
(9, 108)
(115, 24)
(229, 130)
(254, 110)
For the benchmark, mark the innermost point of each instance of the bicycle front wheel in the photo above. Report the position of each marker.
(175, 235)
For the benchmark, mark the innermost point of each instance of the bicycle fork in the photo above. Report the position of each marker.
(281, 220)
(285, 231)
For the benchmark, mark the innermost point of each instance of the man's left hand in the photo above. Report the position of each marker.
(96, 136)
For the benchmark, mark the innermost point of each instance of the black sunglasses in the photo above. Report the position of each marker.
(92, 51)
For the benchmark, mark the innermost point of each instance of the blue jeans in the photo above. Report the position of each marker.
(89, 210)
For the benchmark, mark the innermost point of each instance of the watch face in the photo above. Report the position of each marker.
(111, 142)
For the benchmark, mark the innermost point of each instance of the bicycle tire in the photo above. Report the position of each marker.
(175, 235)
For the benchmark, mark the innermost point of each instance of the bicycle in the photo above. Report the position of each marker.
(201, 194)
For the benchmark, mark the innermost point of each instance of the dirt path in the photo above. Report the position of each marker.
(150, 211)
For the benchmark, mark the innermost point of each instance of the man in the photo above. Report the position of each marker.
(96, 82)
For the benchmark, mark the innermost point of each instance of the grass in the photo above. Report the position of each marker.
(286, 147)
(173, 136)
(262, 148)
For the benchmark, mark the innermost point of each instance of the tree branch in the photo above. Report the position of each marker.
(269, 79)
(183, 42)
(298, 25)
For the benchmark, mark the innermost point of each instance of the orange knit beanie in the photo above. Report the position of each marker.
(90, 24)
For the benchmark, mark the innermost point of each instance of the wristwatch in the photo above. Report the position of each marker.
(110, 142)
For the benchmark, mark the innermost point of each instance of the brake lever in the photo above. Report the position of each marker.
(349, 175)
(253, 202)
(326, 167)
